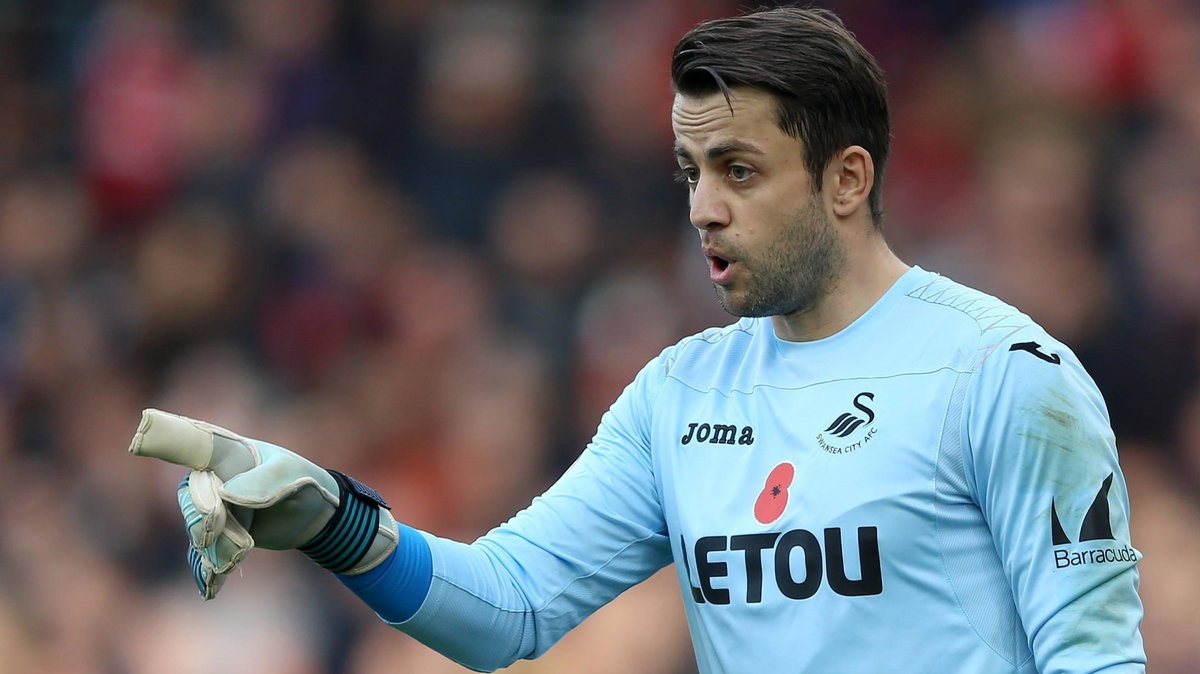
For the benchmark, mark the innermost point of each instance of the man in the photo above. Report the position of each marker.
(874, 469)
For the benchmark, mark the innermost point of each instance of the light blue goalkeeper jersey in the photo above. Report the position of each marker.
(933, 489)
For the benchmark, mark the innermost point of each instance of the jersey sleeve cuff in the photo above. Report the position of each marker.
(397, 587)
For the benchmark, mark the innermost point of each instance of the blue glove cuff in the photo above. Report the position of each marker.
(345, 539)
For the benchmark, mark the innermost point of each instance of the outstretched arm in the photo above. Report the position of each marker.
(509, 595)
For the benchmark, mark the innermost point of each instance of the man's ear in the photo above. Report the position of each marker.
(849, 179)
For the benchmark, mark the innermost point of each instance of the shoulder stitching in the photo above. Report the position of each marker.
(988, 316)
(709, 336)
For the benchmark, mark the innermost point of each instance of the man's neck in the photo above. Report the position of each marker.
(871, 269)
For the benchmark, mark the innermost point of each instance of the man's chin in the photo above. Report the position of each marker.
(739, 305)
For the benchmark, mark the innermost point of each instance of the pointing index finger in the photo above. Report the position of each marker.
(166, 436)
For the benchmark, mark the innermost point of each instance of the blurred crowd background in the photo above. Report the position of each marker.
(409, 238)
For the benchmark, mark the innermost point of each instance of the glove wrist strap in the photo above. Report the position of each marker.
(347, 537)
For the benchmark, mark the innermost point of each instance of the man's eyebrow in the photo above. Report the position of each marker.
(720, 150)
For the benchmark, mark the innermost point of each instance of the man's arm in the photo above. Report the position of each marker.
(511, 594)
(515, 592)
(1042, 464)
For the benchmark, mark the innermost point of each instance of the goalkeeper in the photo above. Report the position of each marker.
(874, 469)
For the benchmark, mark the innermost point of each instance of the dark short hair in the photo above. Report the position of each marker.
(830, 92)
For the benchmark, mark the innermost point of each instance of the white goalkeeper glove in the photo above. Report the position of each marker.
(244, 493)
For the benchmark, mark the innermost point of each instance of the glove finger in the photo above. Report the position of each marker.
(208, 581)
(204, 513)
(221, 539)
(229, 547)
(194, 444)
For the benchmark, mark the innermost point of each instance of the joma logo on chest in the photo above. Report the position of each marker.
(718, 434)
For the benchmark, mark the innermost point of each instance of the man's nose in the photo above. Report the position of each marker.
(709, 207)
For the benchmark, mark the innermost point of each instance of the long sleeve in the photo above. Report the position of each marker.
(1042, 463)
(599, 530)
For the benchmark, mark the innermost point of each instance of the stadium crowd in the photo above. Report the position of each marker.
(408, 238)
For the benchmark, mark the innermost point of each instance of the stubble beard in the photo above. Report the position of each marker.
(795, 273)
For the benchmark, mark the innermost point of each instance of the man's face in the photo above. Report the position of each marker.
(771, 247)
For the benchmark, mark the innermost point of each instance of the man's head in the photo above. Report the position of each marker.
(829, 92)
(780, 123)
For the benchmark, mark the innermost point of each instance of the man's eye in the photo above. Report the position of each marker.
(740, 173)
(687, 174)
